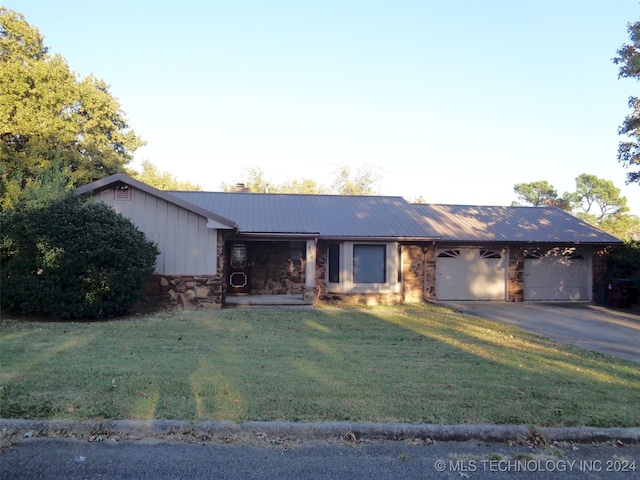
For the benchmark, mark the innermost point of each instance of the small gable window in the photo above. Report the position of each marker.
(449, 254)
(489, 254)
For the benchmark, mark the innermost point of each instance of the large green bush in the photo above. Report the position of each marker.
(69, 258)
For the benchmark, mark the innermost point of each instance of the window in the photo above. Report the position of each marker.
(334, 263)
(489, 254)
(239, 255)
(449, 254)
(296, 251)
(369, 263)
(357, 267)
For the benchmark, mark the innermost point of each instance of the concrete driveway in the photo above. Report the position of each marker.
(613, 332)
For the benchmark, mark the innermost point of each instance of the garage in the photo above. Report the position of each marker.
(559, 274)
(471, 274)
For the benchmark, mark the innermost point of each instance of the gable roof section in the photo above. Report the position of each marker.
(327, 216)
(509, 224)
(121, 178)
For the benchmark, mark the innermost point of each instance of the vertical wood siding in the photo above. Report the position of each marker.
(187, 246)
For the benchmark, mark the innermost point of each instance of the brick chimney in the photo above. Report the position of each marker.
(240, 188)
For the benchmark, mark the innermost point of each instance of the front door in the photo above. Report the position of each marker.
(239, 269)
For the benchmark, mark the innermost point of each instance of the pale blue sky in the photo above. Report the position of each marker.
(452, 101)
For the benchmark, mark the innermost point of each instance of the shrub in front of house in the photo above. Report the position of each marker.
(71, 259)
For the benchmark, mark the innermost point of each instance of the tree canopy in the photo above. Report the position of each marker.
(51, 116)
(540, 194)
(361, 180)
(162, 180)
(629, 60)
(595, 200)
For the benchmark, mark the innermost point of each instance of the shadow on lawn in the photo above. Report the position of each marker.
(411, 364)
(431, 367)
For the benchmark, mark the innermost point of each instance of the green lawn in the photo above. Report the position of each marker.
(413, 364)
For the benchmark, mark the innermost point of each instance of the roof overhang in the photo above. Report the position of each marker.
(379, 239)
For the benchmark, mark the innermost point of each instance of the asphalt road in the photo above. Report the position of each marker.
(612, 332)
(45, 459)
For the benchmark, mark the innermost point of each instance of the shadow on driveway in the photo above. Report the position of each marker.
(612, 332)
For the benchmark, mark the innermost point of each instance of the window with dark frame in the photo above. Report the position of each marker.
(334, 263)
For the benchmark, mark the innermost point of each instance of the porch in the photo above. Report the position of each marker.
(248, 301)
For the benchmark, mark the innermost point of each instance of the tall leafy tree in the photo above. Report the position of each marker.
(541, 194)
(536, 194)
(50, 116)
(629, 60)
(598, 198)
(362, 180)
(595, 200)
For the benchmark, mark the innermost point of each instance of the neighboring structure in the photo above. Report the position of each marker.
(364, 249)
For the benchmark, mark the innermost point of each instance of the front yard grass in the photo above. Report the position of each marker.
(412, 364)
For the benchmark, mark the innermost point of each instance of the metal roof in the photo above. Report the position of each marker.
(323, 215)
(341, 216)
(508, 224)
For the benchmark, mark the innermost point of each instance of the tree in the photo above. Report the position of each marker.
(306, 186)
(594, 194)
(362, 180)
(622, 225)
(256, 181)
(541, 194)
(596, 201)
(48, 115)
(419, 199)
(162, 180)
(67, 258)
(629, 60)
(348, 181)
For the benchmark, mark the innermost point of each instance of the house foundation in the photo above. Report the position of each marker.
(186, 291)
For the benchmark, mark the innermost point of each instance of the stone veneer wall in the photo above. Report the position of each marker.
(273, 271)
(515, 284)
(197, 291)
(321, 269)
(430, 272)
(413, 272)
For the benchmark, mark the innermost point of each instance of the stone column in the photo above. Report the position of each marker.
(310, 271)
(516, 275)
(429, 272)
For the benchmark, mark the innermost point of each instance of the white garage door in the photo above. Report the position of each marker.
(470, 274)
(557, 275)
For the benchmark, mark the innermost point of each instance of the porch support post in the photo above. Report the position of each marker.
(310, 271)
